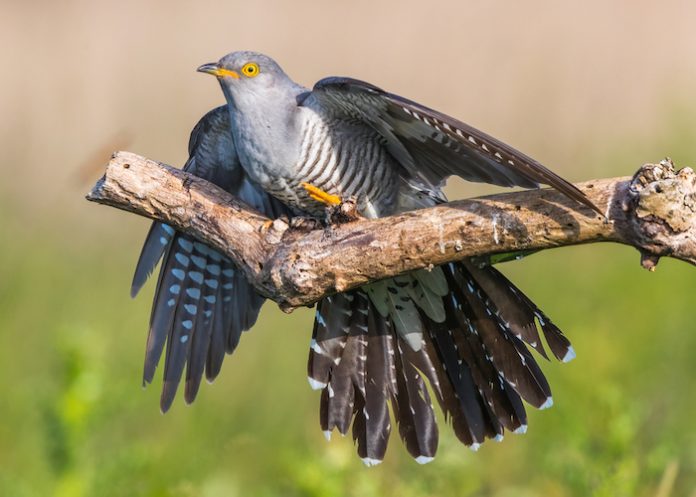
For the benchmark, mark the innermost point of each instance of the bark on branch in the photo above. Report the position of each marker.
(655, 211)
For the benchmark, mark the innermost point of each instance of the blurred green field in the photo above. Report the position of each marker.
(75, 421)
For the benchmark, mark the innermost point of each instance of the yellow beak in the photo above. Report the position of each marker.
(217, 71)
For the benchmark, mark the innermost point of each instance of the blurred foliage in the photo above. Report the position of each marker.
(75, 423)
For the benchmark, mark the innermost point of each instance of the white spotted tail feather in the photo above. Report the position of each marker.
(360, 368)
(475, 362)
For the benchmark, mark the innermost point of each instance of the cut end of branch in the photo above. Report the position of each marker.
(104, 189)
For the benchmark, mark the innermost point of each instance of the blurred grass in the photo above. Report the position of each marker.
(75, 422)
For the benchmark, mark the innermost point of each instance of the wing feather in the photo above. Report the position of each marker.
(202, 302)
(432, 146)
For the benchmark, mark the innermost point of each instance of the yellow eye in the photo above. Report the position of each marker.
(250, 69)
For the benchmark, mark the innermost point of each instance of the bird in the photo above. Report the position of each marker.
(461, 331)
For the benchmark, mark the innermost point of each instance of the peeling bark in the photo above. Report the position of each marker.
(655, 211)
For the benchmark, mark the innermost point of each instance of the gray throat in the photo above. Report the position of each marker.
(267, 135)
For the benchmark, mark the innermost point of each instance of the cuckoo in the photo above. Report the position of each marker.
(459, 332)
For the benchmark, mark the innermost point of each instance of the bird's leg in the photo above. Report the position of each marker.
(338, 210)
(321, 196)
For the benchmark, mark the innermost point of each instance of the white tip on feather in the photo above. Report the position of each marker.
(499, 437)
(424, 459)
(414, 340)
(547, 404)
(369, 461)
(315, 384)
(475, 446)
(570, 354)
(315, 347)
(521, 429)
(327, 435)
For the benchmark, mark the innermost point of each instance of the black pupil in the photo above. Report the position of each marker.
(250, 69)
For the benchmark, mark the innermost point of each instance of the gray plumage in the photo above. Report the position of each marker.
(461, 328)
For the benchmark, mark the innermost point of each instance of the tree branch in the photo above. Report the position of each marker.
(655, 211)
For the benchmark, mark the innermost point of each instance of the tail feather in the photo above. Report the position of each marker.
(520, 313)
(472, 352)
(156, 243)
(162, 316)
(207, 262)
(513, 310)
(558, 343)
(449, 403)
(218, 335)
(413, 408)
(403, 312)
(475, 360)
(331, 327)
(470, 425)
(348, 378)
(200, 344)
(379, 295)
(178, 344)
(372, 425)
(232, 322)
(185, 317)
(560, 346)
(433, 279)
(508, 354)
(426, 299)
(491, 385)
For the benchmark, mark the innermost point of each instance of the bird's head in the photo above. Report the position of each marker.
(246, 75)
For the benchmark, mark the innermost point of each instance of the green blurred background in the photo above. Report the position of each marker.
(592, 90)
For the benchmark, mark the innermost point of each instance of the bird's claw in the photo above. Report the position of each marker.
(344, 212)
(339, 210)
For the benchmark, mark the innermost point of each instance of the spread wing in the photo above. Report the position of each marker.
(202, 302)
(432, 146)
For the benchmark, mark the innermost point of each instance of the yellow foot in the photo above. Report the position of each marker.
(321, 196)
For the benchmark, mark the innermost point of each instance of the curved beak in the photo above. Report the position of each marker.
(214, 69)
